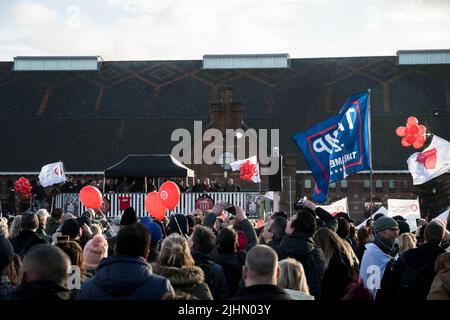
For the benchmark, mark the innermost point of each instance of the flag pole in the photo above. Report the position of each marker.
(370, 148)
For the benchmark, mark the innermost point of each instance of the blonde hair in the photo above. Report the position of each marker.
(4, 228)
(15, 226)
(331, 243)
(292, 276)
(175, 252)
(96, 229)
(406, 241)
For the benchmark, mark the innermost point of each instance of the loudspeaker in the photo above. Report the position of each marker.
(276, 180)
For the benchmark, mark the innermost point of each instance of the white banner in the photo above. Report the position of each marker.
(236, 165)
(408, 209)
(381, 210)
(51, 174)
(338, 206)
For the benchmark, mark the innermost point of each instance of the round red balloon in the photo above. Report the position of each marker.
(170, 194)
(411, 139)
(400, 131)
(422, 129)
(420, 139)
(417, 145)
(405, 142)
(91, 197)
(414, 129)
(412, 120)
(155, 206)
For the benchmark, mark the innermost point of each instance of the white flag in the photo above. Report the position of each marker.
(381, 210)
(236, 165)
(338, 206)
(51, 174)
(432, 162)
(408, 209)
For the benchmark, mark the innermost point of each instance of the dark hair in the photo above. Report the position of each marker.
(343, 229)
(363, 235)
(280, 214)
(434, 233)
(133, 240)
(203, 239)
(226, 240)
(73, 250)
(57, 213)
(305, 221)
(278, 228)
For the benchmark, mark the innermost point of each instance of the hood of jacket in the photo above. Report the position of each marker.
(121, 275)
(186, 276)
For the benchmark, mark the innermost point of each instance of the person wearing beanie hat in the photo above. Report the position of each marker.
(210, 220)
(128, 217)
(380, 257)
(6, 257)
(95, 250)
(27, 236)
(71, 228)
(154, 229)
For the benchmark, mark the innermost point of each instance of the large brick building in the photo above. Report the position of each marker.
(92, 119)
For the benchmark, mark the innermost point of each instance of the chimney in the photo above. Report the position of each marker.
(226, 113)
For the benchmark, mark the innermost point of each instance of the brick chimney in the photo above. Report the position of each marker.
(226, 113)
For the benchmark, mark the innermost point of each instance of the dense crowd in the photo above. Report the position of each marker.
(213, 255)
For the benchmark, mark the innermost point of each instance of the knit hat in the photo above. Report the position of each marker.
(70, 228)
(95, 250)
(29, 221)
(128, 217)
(6, 253)
(178, 224)
(384, 223)
(403, 226)
(153, 228)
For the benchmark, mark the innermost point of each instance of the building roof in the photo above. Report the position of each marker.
(92, 119)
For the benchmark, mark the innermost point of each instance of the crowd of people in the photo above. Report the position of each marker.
(214, 255)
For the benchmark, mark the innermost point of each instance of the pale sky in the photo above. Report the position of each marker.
(188, 29)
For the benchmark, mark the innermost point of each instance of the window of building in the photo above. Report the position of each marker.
(366, 185)
(333, 186)
(225, 159)
(392, 186)
(379, 186)
(307, 185)
(344, 186)
(405, 186)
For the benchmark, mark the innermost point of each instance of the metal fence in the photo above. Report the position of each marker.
(70, 202)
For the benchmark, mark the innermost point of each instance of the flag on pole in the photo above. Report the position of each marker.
(249, 169)
(408, 209)
(338, 206)
(338, 146)
(432, 162)
(51, 174)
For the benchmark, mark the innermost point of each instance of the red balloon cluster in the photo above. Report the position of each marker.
(23, 187)
(248, 170)
(157, 203)
(413, 134)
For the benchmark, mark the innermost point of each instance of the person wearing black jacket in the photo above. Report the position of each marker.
(298, 244)
(260, 275)
(27, 236)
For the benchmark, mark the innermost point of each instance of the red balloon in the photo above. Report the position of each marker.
(170, 194)
(414, 129)
(400, 131)
(411, 121)
(407, 131)
(422, 129)
(91, 197)
(411, 139)
(155, 206)
(417, 145)
(421, 139)
(405, 142)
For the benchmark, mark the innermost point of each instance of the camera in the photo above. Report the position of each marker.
(230, 208)
(299, 204)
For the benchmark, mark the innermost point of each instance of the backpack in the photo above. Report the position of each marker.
(415, 282)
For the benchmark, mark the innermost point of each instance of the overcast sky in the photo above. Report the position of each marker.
(188, 29)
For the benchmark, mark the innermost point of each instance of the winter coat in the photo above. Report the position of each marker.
(124, 278)
(262, 292)
(250, 233)
(41, 290)
(231, 264)
(24, 241)
(440, 288)
(187, 279)
(338, 275)
(214, 275)
(414, 272)
(302, 248)
(52, 226)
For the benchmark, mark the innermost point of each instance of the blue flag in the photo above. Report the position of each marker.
(338, 146)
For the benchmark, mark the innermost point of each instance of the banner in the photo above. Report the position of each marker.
(432, 162)
(51, 174)
(408, 209)
(338, 206)
(381, 210)
(338, 146)
(241, 164)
